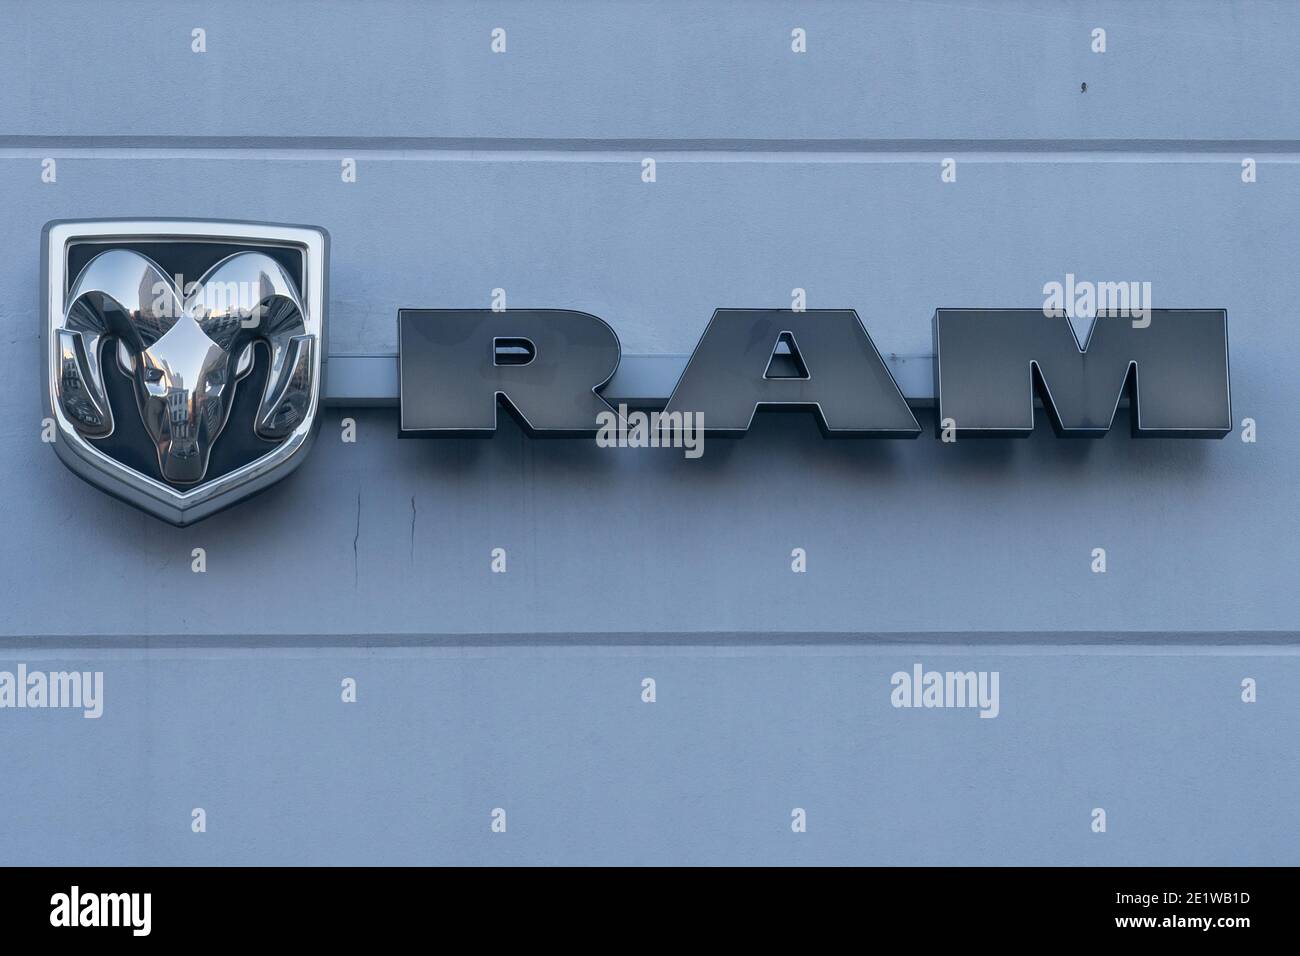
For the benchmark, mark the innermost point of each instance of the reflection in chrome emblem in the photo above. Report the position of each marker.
(184, 352)
(185, 358)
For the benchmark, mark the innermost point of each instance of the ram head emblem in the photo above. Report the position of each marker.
(184, 350)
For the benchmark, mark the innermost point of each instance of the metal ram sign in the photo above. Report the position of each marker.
(185, 361)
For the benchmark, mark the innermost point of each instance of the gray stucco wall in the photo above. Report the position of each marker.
(521, 690)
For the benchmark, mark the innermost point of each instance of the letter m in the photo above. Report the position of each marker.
(991, 364)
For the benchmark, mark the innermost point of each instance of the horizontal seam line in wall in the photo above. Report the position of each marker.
(435, 149)
(1196, 641)
(662, 158)
(638, 144)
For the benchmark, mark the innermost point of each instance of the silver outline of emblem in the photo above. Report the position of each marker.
(88, 462)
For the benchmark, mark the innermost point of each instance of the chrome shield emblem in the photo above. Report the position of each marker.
(184, 359)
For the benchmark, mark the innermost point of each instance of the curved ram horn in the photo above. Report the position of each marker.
(119, 294)
(251, 291)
